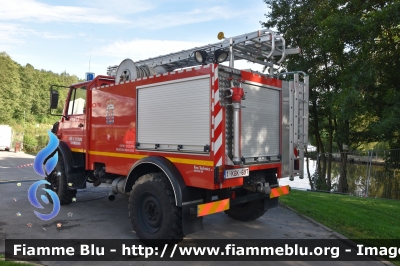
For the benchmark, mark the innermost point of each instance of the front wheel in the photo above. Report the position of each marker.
(153, 212)
(58, 183)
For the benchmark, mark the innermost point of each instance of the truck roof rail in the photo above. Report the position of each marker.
(264, 47)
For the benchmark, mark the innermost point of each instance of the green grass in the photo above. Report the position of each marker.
(11, 263)
(353, 217)
(356, 218)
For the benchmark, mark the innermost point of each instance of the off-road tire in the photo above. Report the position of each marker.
(58, 183)
(152, 210)
(248, 211)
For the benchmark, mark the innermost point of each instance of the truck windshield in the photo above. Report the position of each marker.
(77, 101)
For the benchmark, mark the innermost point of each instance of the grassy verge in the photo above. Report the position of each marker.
(11, 263)
(353, 217)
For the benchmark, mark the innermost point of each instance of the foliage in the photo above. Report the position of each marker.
(24, 101)
(10, 92)
(13, 263)
(30, 143)
(24, 92)
(351, 51)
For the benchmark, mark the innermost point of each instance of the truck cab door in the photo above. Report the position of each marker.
(74, 124)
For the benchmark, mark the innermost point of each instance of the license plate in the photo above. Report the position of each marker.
(233, 173)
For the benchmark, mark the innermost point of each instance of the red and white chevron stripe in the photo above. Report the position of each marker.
(24, 165)
(217, 121)
(19, 166)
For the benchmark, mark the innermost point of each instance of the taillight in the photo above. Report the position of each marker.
(218, 174)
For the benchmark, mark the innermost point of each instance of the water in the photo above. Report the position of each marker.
(364, 179)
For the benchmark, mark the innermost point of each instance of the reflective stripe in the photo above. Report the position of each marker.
(212, 207)
(77, 150)
(137, 156)
(190, 161)
(114, 154)
(279, 191)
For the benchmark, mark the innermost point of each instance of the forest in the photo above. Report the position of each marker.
(25, 101)
(351, 50)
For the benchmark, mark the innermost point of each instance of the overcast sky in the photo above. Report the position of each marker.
(66, 35)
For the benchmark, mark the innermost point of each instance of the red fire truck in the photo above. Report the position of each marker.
(185, 135)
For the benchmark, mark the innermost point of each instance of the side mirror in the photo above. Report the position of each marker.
(53, 99)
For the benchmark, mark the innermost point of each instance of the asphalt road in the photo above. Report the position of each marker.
(93, 216)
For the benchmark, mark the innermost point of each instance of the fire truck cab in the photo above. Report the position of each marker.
(185, 136)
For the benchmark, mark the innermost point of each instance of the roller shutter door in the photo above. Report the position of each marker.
(173, 114)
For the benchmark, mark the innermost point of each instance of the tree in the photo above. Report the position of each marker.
(381, 60)
(9, 89)
(28, 87)
(337, 39)
(24, 96)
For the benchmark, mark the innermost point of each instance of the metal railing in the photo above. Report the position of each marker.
(374, 173)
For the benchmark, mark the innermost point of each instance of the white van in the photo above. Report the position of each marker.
(5, 137)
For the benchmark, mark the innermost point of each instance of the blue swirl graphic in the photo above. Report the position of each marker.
(45, 153)
(33, 200)
(38, 166)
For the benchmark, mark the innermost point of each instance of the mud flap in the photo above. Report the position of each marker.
(190, 222)
(74, 167)
(78, 180)
(270, 203)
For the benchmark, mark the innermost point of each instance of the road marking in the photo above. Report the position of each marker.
(18, 181)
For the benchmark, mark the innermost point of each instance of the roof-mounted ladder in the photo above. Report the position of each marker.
(264, 47)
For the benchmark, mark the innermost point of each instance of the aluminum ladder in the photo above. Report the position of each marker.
(298, 122)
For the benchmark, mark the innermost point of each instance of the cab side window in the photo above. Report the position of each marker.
(77, 101)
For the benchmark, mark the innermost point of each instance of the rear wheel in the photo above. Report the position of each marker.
(247, 211)
(153, 212)
(58, 183)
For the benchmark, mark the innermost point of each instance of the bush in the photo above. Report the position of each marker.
(30, 143)
(43, 140)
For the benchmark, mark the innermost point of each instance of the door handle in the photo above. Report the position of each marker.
(80, 125)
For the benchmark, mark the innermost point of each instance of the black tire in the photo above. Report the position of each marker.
(58, 183)
(248, 211)
(153, 212)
